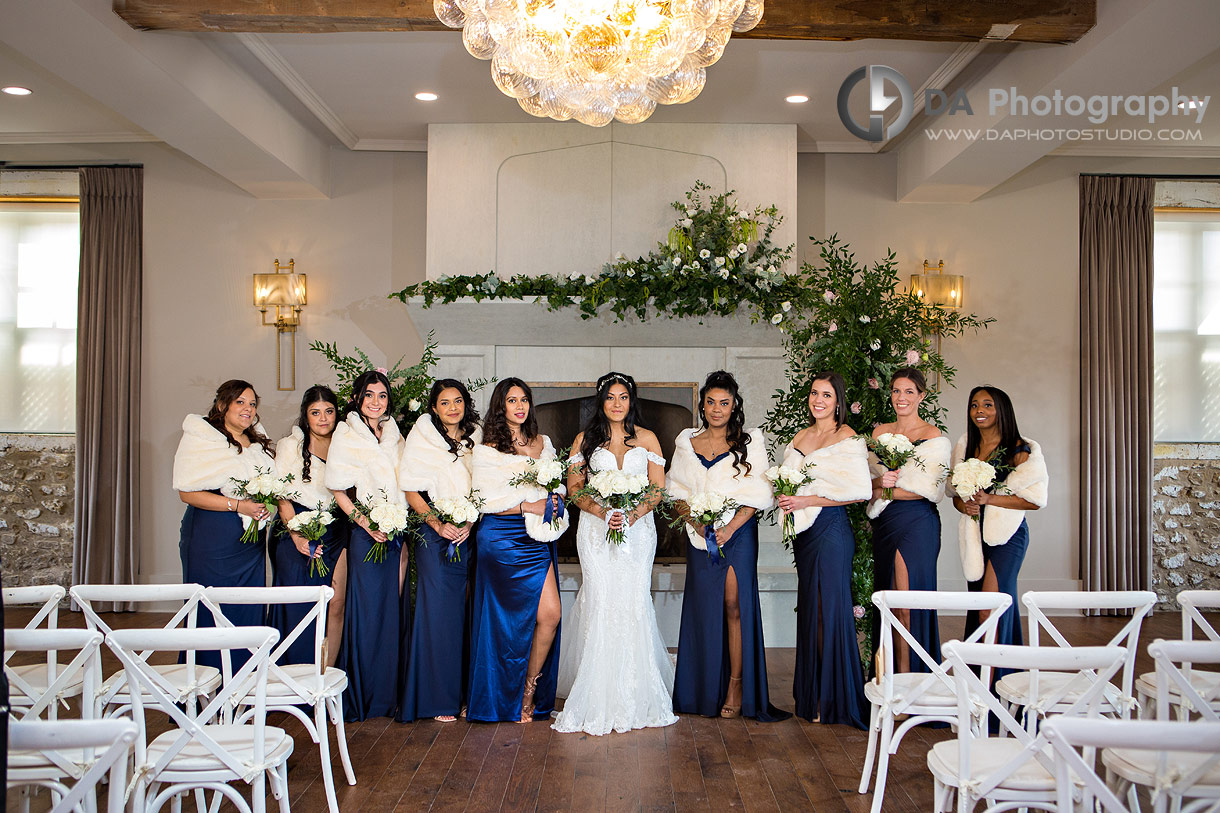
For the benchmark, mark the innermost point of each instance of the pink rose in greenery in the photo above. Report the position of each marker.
(830, 296)
(874, 384)
(912, 357)
(381, 370)
(832, 327)
(855, 408)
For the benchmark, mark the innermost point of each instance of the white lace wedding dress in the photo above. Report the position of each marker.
(614, 669)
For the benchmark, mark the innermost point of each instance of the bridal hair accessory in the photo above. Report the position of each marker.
(616, 378)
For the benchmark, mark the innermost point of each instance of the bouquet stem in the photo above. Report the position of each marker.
(887, 493)
(789, 531)
(317, 567)
(250, 535)
(376, 553)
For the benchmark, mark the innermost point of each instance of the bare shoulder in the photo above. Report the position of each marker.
(844, 432)
(1019, 458)
(648, 439)
(799, 438)
(577, 441)
(882, 428)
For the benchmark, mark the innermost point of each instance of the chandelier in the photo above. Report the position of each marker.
(598, 60)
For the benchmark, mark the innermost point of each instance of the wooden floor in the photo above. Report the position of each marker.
(696, 764)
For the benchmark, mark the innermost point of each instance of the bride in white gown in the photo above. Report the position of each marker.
(614, 669)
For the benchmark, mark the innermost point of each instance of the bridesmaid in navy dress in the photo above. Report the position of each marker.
(906, 526)
(227, 443)
(303, 455)
(722, 662)
(364, 458)
(828, 685)
(435, 463)
(514, 635)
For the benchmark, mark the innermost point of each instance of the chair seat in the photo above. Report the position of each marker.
(1014, 688)
(986, 756)
(1203, 682)
(238, 740)
(332, 682)
(1140, 766)
(36, 760)
(207, 680)
(35, 674)
(937, 695)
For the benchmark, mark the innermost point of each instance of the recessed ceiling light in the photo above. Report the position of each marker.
(1189, 104)
(16, 90)
(426, 96)
(797, 99)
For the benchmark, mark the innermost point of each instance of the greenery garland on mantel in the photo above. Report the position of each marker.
(839, 315)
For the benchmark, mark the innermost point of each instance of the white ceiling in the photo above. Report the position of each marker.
(264, 110)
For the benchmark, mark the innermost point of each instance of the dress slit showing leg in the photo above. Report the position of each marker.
(910, 529)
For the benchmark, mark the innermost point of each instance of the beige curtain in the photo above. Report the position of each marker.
(106, 548)
(1116, 382)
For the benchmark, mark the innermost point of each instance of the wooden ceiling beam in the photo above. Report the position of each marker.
(1050, 21)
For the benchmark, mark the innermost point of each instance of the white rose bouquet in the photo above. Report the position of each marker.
(459, 512)
(893, 450)
(785, 480)
(972, 476)
(621, 492)
(712, 511)
(312, 526)
(390, 518)
(267, 490)
(548, 475)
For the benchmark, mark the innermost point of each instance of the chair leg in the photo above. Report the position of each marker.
(883, 761)
(336, 711)
(283, 797)
(328, 779)
(258, 794)
(867, 773)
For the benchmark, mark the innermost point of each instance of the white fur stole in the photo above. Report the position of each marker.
(840, 473)
(491, 472)
(1029, 481)
(428, 465)
(688, 477)
(358, 459)
(290, 460)
(205, 459)
(924, 474)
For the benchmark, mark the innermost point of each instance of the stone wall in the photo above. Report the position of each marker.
(1185, 518)
(37, 505)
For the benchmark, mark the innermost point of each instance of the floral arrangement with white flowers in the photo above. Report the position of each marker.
(458, 512)
(619, 491)
(972, 476)
(312, 526)
(390, 518)
(785, 480)
(712, 510)
(265, 489)
(548, 474)
(893, 449)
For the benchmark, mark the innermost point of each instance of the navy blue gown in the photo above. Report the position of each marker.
(910, 528)
(291, 569)
(434, 682)
(508, 583)
(829, 682)
(213, 555)
(371, 635)
(701, 678)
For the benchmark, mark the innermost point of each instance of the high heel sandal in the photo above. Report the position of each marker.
(527, 699)
(727, 711)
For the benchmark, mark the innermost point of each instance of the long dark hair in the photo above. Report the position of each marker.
(359, 387)
(226, 394)
(496, 432)
(316, 393)
(735, 432)
(1006, 418)
(597, 429)
(470, 415)
(840, 388)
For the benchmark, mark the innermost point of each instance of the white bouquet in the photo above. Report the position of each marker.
(893, 450)
(267, 490)
(785, 480)
(312, 526)
(972, 476)
(459, 512)
(712, 511)
(389, 518)
(618, 491)
(548, 475)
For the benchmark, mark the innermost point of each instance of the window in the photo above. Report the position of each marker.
(1186, 326)
(39, 268)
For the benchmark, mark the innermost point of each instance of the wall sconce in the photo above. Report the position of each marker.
(286, 292)
(939, 289)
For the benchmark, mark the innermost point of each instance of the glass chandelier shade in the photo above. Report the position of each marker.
(598, 60)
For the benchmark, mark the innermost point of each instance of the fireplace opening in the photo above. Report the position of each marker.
(665, 408)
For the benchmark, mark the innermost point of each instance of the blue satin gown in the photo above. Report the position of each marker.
(291, 569)
(213, 555)
(508, 583)
(701, 678)
(371, 630)
(435, 678)
(910, 528)
(828, 685)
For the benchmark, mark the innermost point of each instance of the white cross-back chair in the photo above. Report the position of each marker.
(1199, 742)
(100, 747)
(925, 696)
(197, 754)
(193, 682)
(1173, 775)
(1193, 604)
(1033, 691)
(46, 598)
(1013, 771)
(290, 686)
